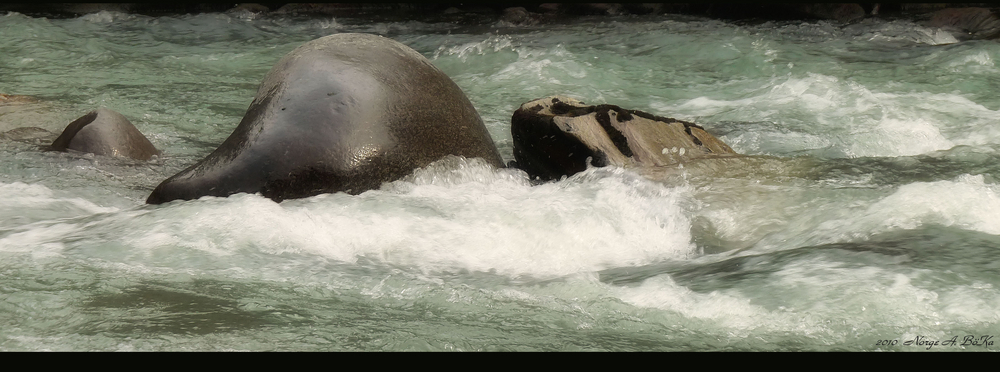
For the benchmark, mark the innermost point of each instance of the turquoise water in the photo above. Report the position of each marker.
(867, 217)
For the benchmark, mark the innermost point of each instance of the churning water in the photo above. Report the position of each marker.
(867, 217)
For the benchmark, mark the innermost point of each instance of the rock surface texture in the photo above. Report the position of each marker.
(555, 137)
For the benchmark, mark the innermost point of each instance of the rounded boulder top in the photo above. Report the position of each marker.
(345, 112)
(105, 132)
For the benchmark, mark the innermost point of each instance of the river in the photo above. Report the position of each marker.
(866, 217)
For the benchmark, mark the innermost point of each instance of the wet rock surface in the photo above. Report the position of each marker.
(342, 113)
(557, 136)
(105, 132)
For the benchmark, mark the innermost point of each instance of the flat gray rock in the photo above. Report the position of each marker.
(556, 136)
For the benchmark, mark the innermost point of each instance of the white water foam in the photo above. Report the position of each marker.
(22, 203)
(106, 16)
(493, 44)
(34, 220)
(818, 111)
(788, 217)
(477, 219)
(826, 301)
(966, 202)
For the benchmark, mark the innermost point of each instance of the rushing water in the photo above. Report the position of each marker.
(866, 218)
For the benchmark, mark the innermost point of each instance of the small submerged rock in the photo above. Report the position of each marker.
(31, 120)
(15, 99)
(100, 132)
(105, 132)
(33, 135)
(556, 136)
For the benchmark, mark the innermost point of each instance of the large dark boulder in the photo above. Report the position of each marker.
(556, 136)
(345, 112)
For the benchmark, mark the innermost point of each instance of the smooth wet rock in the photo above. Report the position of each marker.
(346, 112)
(105, 132)
(556, 136)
